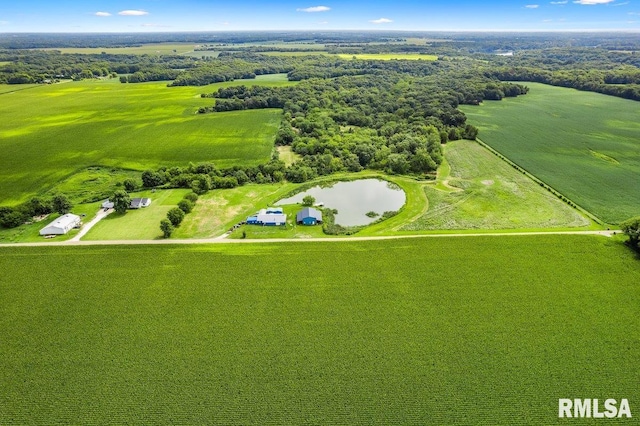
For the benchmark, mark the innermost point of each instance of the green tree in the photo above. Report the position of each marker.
(175, 215)
(185, 205)
(37, 206)
(151, 178)
(10, 218)
(398, 164)
(192, 196)
(631, 227)
(166, 227)
(121, 201)
(308, 200)
(61, 204)
(130, 185)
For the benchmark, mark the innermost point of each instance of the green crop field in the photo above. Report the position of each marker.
(410, 331)
(9, 88)
(50, 132)
(477, 190)
(585, 145)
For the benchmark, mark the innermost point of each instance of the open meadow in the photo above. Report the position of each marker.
(477, 190)
(410, 331)
(144, 49)
(585, 145)
(50, 132)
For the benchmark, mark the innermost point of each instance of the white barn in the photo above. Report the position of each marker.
(62, 225)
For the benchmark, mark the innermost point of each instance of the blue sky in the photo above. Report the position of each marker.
(213, 15)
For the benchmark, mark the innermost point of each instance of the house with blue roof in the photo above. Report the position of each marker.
(309, 216)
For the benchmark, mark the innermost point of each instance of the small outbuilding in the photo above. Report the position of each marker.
(107, 204)
(62, 225)
(309, 216)
(137, 203)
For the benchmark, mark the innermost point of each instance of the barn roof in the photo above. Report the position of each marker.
(308, 212)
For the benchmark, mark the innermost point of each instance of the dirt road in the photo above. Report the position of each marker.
(223, 240)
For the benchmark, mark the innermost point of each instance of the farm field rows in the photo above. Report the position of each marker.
(50, 132)
(327, 333)
(585, 145)
(484, 192)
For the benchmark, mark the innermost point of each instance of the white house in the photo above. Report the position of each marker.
(62, 225)
(137, 203)
(107, 204)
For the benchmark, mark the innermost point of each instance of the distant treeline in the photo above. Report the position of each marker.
(480, 41)
(36, 66)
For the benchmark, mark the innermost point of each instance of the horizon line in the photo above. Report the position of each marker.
(372, 30)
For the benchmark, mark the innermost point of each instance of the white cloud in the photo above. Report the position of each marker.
(323, 22)
(532, 6)
(592, 2)
(133, 13)
(314, 9)
(381, 21)
(621, 4)
(560, 2)
(102, 14)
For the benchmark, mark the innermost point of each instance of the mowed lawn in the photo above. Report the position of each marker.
(477, 190)
(493, 330)
(138, 224)
(49, 132)
(585, 145)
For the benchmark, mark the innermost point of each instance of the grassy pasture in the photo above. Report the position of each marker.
(477, 190)
(50, 132)
(216, 211)
(145, 49)
(321, 333)
(585, 145)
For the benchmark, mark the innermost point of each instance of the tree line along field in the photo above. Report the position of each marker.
(375, 332)
(585, 145)
(50, 132)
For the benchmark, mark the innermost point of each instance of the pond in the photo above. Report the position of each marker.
(355, 199)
